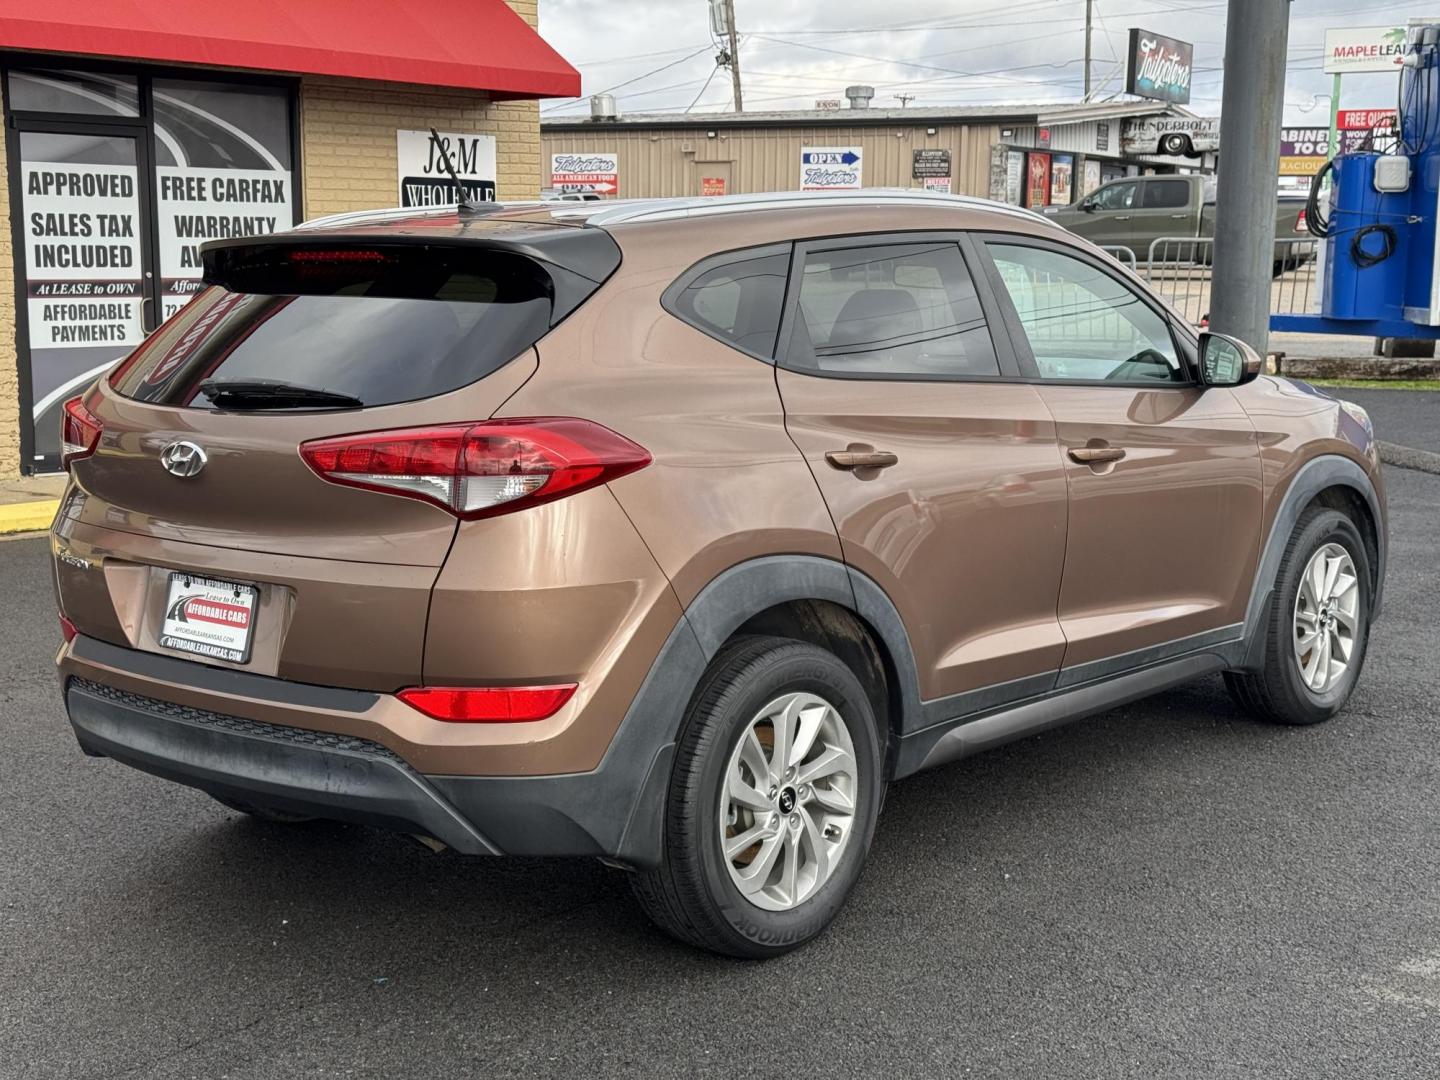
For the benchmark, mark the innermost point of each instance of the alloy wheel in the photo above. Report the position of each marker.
(787, 805)
(1327, 614)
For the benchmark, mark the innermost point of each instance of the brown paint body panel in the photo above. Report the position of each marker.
(1164, 542)
(966, 532)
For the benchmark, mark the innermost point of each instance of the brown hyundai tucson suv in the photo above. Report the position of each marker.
(673, 532)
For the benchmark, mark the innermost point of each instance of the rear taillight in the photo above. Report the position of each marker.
(479, 470)
(79, 432)
(489, 704)
(67, 629)
(1300, 225)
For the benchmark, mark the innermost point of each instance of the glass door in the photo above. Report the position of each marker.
(89, 297)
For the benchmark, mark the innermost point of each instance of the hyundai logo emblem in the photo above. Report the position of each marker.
(183, 459)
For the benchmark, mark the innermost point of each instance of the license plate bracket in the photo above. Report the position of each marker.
(208, 617)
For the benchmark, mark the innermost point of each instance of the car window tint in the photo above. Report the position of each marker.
(894, 309)
(1166, 194)
(738, 301)
(1082, 322)
(1116, 197)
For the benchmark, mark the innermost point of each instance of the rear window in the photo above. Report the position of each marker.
(380, 326)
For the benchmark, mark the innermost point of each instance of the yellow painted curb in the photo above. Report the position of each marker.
(27, 516)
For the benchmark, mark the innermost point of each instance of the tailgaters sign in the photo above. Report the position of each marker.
(1159, 67)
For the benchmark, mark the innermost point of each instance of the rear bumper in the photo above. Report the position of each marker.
(613, 810)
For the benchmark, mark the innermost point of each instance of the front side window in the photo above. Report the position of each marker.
(1082, 323)
(737, 299)
(893, 309)
(1116, 197)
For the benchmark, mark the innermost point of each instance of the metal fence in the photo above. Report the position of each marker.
(1179, 269)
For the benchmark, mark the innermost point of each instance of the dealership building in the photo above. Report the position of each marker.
(135, 131)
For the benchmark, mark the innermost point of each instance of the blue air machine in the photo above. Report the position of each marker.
(1382, 261)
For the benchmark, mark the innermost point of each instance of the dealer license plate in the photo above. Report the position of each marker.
(209, 618)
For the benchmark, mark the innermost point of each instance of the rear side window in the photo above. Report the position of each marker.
(736, 298)
(891, 309)
(1166, 194)
(382, 326)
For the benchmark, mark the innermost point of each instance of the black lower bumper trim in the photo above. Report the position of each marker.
(307, 772)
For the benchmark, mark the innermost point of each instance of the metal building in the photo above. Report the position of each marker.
(1030, 155)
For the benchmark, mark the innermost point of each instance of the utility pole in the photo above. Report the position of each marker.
(904, 99)
(1089, 14)
(734, 55)
(1256, 35)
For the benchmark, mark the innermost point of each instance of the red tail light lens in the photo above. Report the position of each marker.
(488, 705)
(479, 470)
(1300, 225)
(79, 432)
(67, 629)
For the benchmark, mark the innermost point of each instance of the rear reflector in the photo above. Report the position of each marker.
(488, 705)
(67, 629)
(479, 470)
(79, 432)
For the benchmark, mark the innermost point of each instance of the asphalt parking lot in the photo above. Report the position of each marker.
(1168, 890)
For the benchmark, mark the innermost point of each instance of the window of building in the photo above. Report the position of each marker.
(1083, 323)
(893, 309)
(82, 93)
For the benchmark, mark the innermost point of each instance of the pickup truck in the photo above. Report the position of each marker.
(1135, 211)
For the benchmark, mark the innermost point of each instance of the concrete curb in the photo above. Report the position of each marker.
(27, 516)
(1409, 458)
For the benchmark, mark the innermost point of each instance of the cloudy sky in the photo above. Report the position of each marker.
(656, 55)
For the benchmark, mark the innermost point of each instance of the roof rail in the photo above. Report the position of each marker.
(631, 211)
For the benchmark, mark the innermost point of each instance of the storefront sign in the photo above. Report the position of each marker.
(1364, 48)
(1303, 150)
(1159, 67)
(931, 163)
(424, 180)
(1102, 137)
(830, 168)
(82, 253)
(1015, 178)
(598, 173)
(940, 184)
(196, 205)
(1037, 180)
(1062, 179)
(712, 185)
(1366, 119)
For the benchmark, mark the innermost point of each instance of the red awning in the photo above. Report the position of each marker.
(475, 44)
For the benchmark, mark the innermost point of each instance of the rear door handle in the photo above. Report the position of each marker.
(861, 459)
(1122, 217)
(1094, 455)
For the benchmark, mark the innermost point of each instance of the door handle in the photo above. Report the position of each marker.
(1122, 217)
(861, 459)
(1095, 455)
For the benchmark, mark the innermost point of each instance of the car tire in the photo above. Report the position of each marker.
(697, 893)
(1291, 688)
(263, 813)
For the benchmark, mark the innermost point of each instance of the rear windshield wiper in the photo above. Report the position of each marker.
(273, 394)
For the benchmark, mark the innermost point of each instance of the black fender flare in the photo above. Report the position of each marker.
(1326, 471)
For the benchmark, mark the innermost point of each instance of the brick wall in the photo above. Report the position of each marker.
(347, 139)
(9, 360)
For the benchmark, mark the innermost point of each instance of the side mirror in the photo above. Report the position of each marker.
(1227, 361)
(1087, 205)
